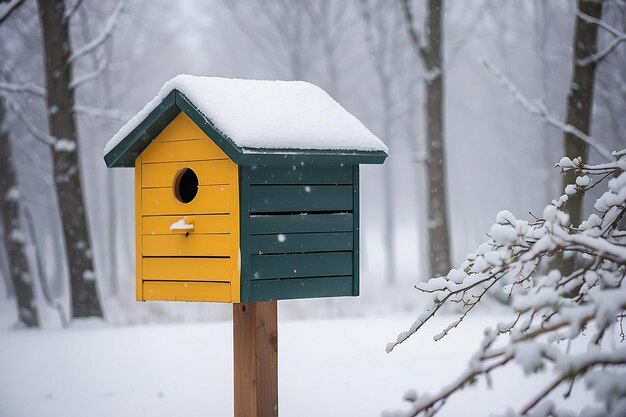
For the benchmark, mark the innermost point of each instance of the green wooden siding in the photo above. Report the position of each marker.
(298, 231)
(285, 289)
(300, 223)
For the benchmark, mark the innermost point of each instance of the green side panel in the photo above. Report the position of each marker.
(301, 265)
(300, 243)
(300, 223)
(300, 198)
(309, 156)
(285, 289)
(299, 174)
(244, 232)
(123, 155)
(356, 234)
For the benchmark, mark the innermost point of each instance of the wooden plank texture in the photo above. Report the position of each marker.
(255, 340)
(203, 224)
(164, 174)
(186, 291)
(300, 223)
(298, 174)
(182, 127)
(181, 245)
(188, 150)
(138, 231)
(300, 199)
(210, 199)
(186, 269)
(301, 265)
(285, 289)
(300, 243)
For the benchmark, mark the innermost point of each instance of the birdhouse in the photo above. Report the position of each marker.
(245, 191)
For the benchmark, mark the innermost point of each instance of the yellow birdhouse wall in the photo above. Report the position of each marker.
(199, 264)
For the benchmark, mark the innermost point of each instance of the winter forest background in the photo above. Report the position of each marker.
(497, 154)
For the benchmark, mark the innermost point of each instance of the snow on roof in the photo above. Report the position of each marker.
(263, 114)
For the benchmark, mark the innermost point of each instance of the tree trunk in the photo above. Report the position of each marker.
(439, 238)
(21, 277)
(62, 125)
(580, 98)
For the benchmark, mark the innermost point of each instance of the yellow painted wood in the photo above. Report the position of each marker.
(186, 269)
(182, 127)
(164, 174)
(138, 270)
(185, 150)
(162, 201)
(235, 265)
(212, 223)
(186, 291)
(181, 245)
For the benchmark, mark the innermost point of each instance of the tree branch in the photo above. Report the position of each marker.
(70, 12)
(23, 88)
(541, 111)
(8, 9)
(416, 40)
(106, 33)
(43, 137)
(599, 56)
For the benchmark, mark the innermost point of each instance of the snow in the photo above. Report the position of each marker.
(327, 368)
(264, 114)
(181, 225)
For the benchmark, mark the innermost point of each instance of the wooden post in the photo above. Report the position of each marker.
(255, 332)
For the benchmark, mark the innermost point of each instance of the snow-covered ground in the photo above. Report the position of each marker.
(327, 368)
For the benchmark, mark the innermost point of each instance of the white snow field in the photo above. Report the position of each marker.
(326, 368)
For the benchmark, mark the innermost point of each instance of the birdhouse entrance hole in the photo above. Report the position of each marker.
(186, 185)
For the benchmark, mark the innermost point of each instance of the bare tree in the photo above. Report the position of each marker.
(430, 52)
(580, 98)
(14, 240)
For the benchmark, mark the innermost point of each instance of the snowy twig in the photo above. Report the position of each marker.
(541, 111)
(36, 133)
(8, 9)
(106, 33)
(23, 88)
(619, 37)
(95, 112)
(102, 66)
(72, 10)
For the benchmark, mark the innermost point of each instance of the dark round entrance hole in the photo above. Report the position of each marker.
(186, 185)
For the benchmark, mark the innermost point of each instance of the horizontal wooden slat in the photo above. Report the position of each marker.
(186, 269)
(186, 291)
(160, 225)
(300, 223)
(300, 243)
(164, 174)
(182, 127)
(285, 289)
(179, 245)
(188, 150)
(293, 198)
(210, 199)
(300, 265)
(298, 174)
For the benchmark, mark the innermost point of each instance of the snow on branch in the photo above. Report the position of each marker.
(540, 111)
(36, 133)
(552, 300)
(102, 66)
(618, 36)
(7, 9)
(72, 10)
(23, 88)
(106, 33)
(95, 112)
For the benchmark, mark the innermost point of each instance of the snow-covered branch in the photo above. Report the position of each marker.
(36, 133)
(7, 9)
(95, 112)
(106, 33)
(551, 303)
(540, 111)
(23, 88)
(102, 66)
(72, 10)
(618, 37)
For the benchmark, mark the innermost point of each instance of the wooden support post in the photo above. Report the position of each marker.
(255, 331)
